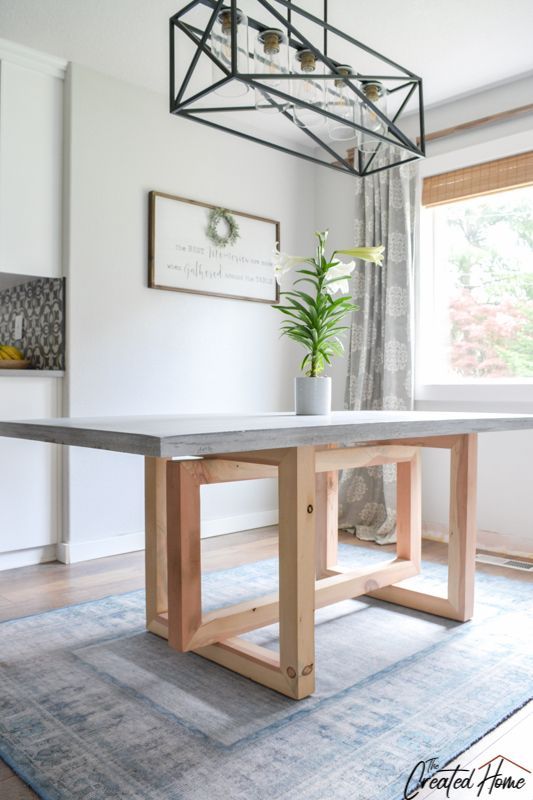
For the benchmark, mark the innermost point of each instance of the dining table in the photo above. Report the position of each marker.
(304, 454)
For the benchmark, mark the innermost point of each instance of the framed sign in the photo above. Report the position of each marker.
(200, 248)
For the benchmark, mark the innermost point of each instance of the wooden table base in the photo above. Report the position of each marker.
(309, 577)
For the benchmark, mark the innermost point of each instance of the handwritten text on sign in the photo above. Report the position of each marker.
(185, 259)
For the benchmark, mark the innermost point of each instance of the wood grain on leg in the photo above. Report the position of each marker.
(297, 569)
(363, 456)
(327, 521)
(250, 661)
(156, 538)
(183, 552)
(409, 510)
(459, 603)
(463, 526)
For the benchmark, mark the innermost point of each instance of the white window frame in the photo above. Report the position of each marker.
(495, 394)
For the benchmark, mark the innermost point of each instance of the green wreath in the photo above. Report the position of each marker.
(217, 215)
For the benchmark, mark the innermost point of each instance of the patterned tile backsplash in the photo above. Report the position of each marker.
(42, 305)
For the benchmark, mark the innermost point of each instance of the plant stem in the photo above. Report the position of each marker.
(321, 275)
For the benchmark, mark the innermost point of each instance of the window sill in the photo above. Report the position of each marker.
(511, 395)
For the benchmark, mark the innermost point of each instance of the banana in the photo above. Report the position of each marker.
(12, 351)
(9, 352)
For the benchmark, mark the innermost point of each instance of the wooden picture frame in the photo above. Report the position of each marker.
(181, 258)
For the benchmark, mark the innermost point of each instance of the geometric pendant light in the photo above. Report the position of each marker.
(275, 74)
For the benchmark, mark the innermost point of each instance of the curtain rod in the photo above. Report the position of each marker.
(501, 116)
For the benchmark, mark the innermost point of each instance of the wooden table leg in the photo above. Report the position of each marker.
(463, 526)
(459, 603)
(156, 542)
(297, 569)
(292, 672)
(183, 553)
(409, 510)
(327, 522)
(173, 492)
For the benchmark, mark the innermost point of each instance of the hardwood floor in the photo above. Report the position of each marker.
(30, 590)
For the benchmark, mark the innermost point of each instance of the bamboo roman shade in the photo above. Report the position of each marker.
(492, 176)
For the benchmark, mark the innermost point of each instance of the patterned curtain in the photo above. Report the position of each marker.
(380, 346)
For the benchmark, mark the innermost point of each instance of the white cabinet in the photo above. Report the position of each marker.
(30, 515)
(31, 133)
(31, 154)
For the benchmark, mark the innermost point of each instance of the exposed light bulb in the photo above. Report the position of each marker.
(376, 93)
(221, 48)
(308, 90)
(271, 58)
(342, 102)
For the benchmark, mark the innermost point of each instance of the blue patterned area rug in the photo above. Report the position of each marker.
(92, 707)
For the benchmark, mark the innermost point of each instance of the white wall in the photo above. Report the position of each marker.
(504, 464)
(495, 99)
(134, 350)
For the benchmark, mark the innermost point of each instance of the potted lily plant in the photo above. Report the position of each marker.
(313, 317)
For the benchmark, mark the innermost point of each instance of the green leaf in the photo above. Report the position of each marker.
(334, 280)
(314, 282)
(306, 272)
(308, 299)
(297, 303)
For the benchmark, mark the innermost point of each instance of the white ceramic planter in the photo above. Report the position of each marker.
(312, 396)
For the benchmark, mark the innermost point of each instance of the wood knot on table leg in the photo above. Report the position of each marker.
(308, 669)
(371, 585)
(291, 672)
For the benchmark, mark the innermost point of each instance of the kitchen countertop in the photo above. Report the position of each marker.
(32, 373)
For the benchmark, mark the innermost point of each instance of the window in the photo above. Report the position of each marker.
(476, 273)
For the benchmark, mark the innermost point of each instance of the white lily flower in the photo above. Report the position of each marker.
(283, 262)
(338, 271)
(373, 254)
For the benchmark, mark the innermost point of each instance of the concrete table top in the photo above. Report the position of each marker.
(205, 434)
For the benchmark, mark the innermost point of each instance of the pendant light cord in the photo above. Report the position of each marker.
(325, 27)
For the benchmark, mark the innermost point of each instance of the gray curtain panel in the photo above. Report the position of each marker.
(381, 337)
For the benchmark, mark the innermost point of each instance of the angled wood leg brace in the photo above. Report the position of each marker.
(300, 470)
(290, 672)
(459, 603)
(215, 635)
(409, 516)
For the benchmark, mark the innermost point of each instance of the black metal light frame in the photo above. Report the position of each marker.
(185, 106)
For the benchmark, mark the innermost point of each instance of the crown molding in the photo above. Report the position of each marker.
(32, 59)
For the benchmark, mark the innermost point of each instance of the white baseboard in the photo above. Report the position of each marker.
(242, 522)
(491, 541)
(73, 552)
(26, 558)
